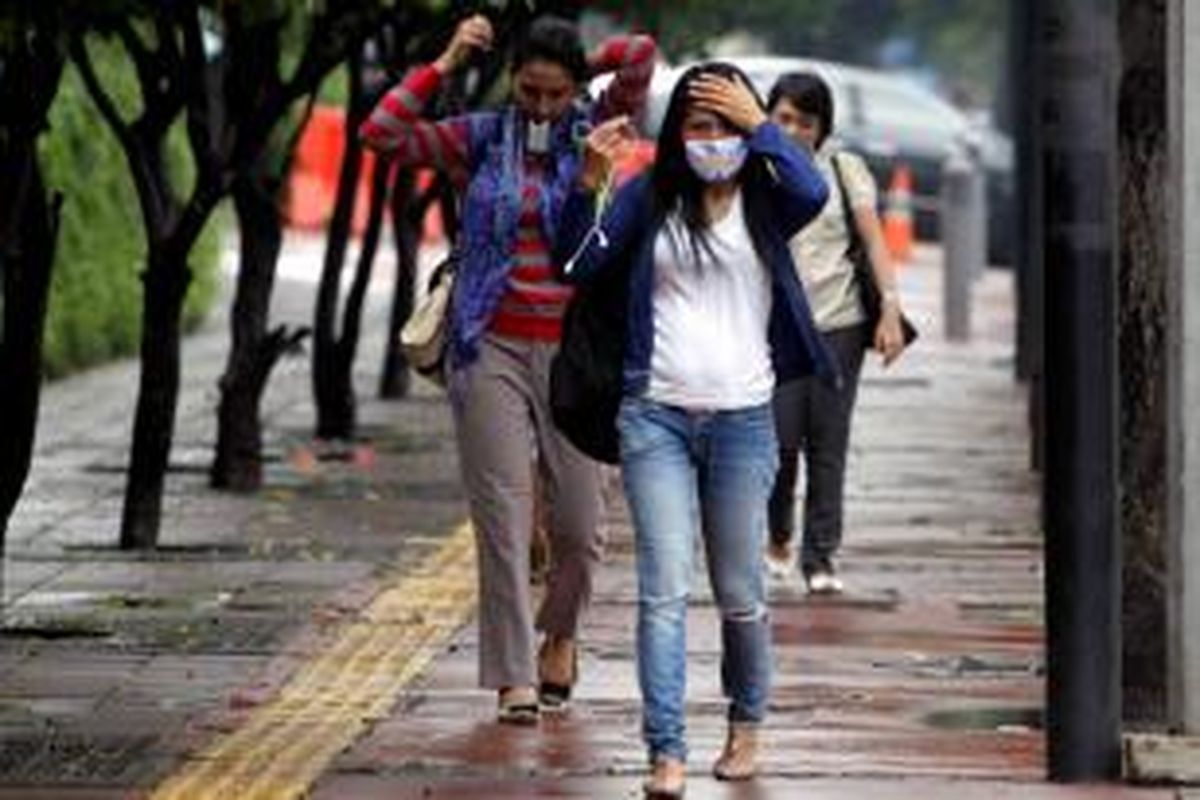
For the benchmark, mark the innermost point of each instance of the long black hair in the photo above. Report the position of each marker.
(678, 189)
(810, 94)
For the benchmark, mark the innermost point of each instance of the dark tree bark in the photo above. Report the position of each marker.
(334, 345)
(29, 218)
(165, 285)
(252, 61)
(352, 318)
(175, 77)
(1143, 319)
(230, 116)
(255, 350)
(395, 377)
(256, 92)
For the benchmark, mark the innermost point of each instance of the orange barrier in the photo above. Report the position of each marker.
(313, 179)
(898, 232)
(312, 183)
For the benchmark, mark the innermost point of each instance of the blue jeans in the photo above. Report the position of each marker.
(709, 472)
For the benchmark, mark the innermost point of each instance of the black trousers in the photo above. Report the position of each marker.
(813, 418)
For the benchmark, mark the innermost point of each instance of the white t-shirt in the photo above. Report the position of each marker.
(711, 349)
(819, 249)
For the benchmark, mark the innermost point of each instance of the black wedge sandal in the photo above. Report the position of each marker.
(517, 707)
(555, 698)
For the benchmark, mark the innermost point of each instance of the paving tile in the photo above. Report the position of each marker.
(925, 679)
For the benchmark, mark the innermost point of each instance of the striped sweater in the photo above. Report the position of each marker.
(534, 301)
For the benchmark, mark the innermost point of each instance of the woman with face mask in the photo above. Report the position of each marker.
(810, 416)
(514, 167)
(714, 315)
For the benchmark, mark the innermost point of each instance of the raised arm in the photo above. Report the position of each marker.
(798, 190)
(396, 125)
(632, 59)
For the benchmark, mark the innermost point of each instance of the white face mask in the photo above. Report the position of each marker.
(537, 137)
(716, 160)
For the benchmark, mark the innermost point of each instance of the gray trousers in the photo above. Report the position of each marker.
(813, 418)
(502, 421)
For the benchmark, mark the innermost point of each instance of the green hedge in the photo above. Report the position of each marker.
(95, 302)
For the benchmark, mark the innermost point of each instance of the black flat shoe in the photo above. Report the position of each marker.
(554, 697)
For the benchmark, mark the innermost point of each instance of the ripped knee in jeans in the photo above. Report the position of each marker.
(744, 613)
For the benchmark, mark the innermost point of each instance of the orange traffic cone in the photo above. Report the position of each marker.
(898, 215)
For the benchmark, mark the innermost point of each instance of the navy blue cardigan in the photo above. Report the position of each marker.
(630, 226)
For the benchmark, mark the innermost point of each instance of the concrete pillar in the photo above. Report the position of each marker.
(1183, 458)
(960, 221)
(979, 211)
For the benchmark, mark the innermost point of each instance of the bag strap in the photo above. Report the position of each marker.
(855, 236)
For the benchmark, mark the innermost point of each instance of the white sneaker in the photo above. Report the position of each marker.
(822, 582)
(780, 563)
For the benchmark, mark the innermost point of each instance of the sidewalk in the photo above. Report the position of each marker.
(115, 665)
(925, 679)
(315, 640)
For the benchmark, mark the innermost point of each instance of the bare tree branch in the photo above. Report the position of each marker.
(139, 144)
(196, 93)
(105, 104)
(160, 76)
(331, 38)
(167, 51)
(143, 58)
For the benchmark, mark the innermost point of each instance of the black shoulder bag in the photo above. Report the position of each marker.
(864, 273)
(586, 376)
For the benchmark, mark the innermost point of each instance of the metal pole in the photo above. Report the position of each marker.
(1083, 566)
(1023, 101)
(1183, 374)
(978, 212)
(1027, 250)
(958, 225)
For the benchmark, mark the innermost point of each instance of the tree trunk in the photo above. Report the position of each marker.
(29, 77)
(333, 395)
(395, 378)
(26, 261)
(165, 285)
(355, 300)
(1143, 319)
(252, 355)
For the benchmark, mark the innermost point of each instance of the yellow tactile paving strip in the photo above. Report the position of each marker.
(283, 748)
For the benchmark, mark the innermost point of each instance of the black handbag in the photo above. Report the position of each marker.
(587, 373)
(864, 274)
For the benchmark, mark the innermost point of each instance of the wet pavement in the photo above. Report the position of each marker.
(117, 672)
(926, 677)
(114, 665)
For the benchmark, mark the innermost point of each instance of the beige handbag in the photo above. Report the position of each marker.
(423, 337)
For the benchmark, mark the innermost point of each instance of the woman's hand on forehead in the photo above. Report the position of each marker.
(728, 98)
